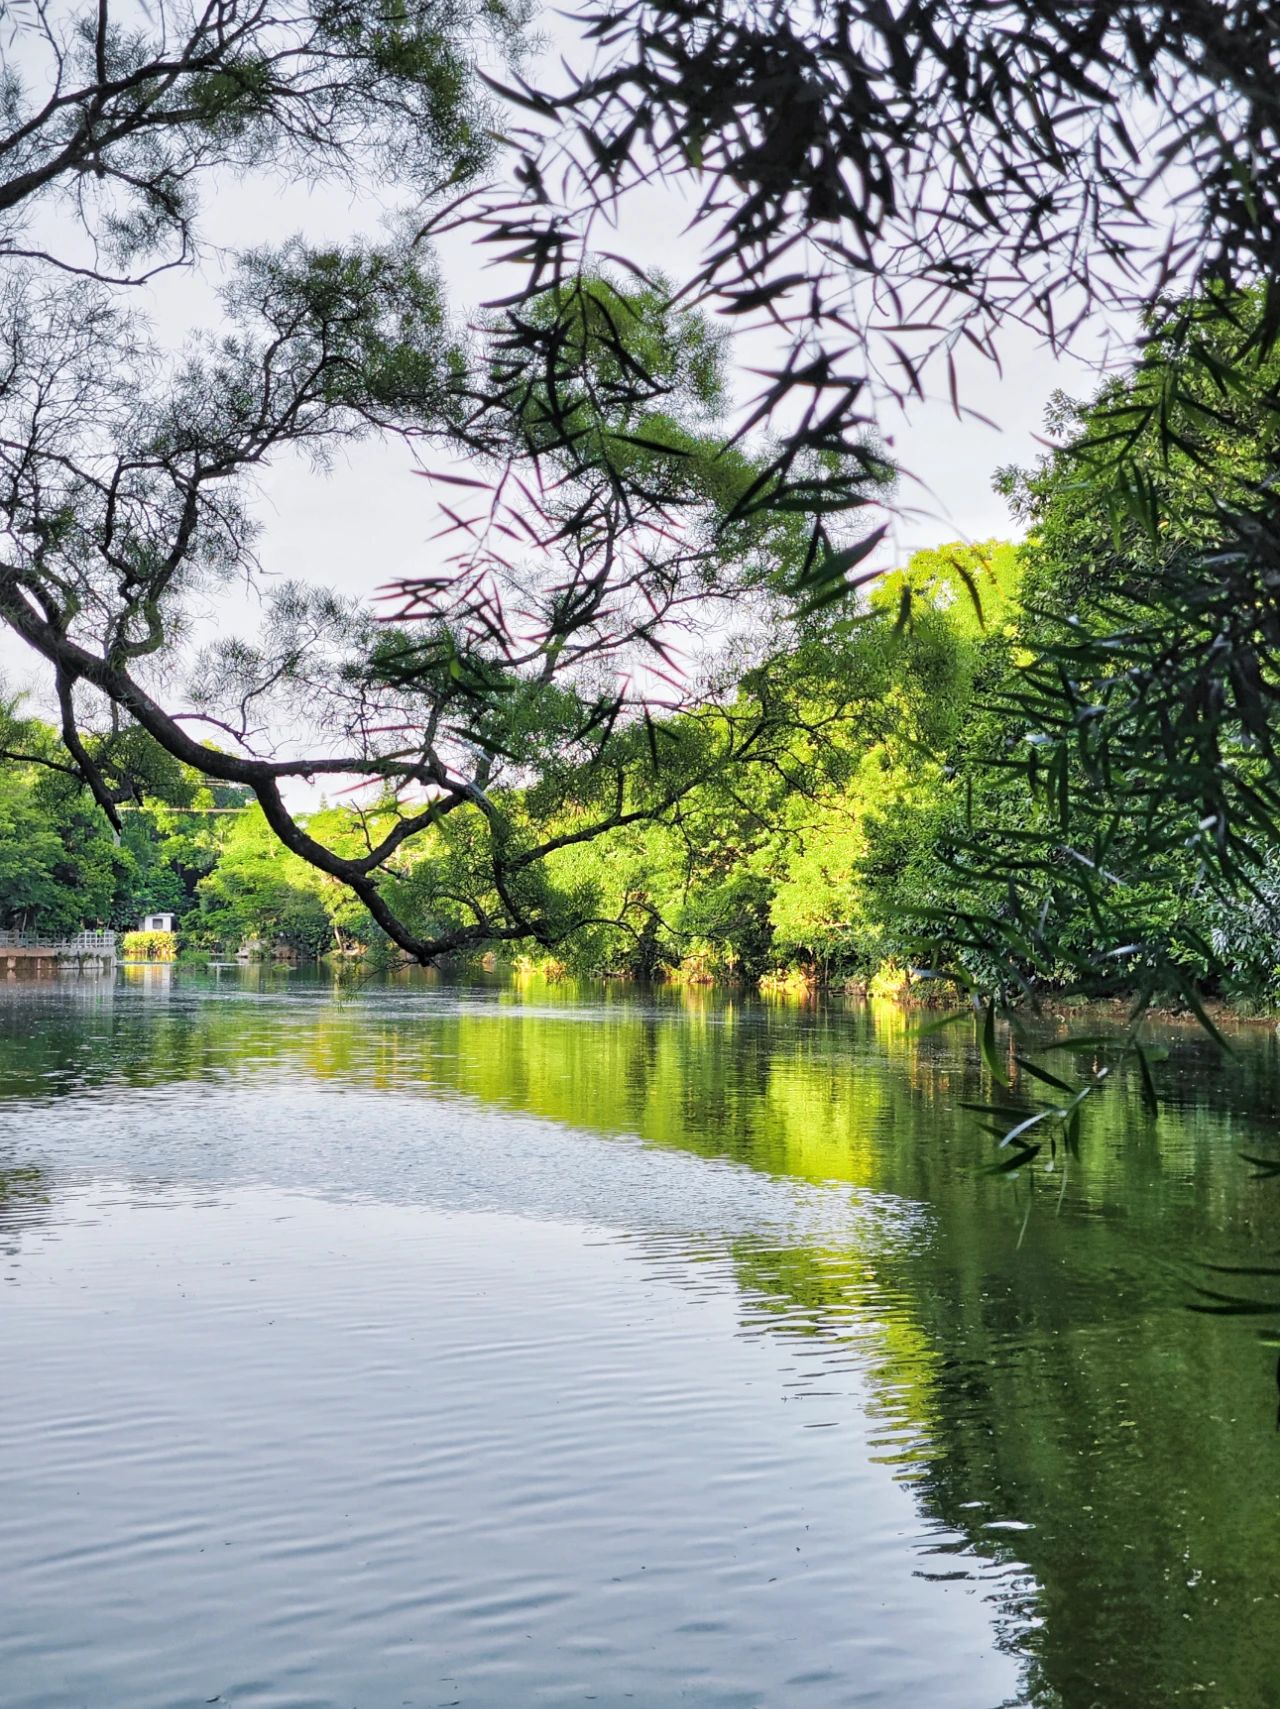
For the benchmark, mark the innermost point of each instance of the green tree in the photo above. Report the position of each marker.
(874, 190)
(60, 869)
(259, 891)
(1138, 724)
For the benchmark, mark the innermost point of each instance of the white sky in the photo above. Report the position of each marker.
(370, 518)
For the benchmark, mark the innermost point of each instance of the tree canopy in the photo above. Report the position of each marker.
(637, 556)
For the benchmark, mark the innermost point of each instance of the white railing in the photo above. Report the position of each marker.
(101, 942)
(80, 943)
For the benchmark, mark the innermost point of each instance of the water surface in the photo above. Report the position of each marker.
(493, 1347)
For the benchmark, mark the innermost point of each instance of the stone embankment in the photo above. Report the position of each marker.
(38, 953)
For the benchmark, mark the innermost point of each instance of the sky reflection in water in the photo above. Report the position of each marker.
(432, 1346)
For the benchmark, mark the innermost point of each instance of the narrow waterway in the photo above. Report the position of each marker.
(494, 1347)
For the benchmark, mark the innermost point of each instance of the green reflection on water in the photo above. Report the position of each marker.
(1036, 1375)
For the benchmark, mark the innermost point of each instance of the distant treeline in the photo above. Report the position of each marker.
(895, 807)
(820, 868)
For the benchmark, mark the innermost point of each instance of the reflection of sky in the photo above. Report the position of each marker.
(279, 1451)
(478, 1407)
(333, 1385)
(287, 1097)
(426, 1145)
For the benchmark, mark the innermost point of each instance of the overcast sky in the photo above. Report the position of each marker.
(370, 519)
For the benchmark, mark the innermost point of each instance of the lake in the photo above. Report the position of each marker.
(494, 1346)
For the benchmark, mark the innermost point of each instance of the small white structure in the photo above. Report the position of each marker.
(157, 923)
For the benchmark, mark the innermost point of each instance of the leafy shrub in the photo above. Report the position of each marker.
(150, 946)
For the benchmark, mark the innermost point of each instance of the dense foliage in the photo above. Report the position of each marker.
(846, 812)
(893, 794)
(622, 638)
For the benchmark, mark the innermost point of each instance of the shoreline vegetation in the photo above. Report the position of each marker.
(837, 866)
(911, 801)
(896, 986)
(891, 985)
